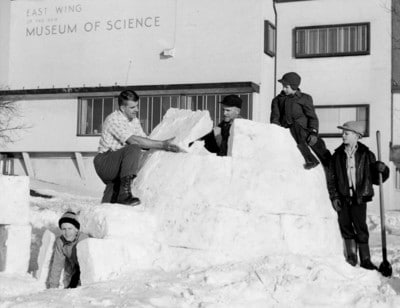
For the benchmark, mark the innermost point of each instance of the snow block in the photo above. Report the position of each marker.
(185, 125)
(104, 259)
(45, 254)
(14, 200)
(118, 221)
(15, 244)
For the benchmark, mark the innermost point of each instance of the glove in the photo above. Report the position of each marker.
(336, 205)
(312, 139)
(380, 166)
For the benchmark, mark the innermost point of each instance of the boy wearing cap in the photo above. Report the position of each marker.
(217, 140)
(64, 257)
(352, 171)
(294, 109)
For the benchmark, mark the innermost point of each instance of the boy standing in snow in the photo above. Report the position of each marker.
(65, 253)
(294, 109)
(352, 171)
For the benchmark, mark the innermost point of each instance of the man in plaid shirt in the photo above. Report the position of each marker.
(122, 139)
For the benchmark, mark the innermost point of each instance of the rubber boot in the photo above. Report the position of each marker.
(351, 251)
(125, 194)
(365, 257)
(310, 160)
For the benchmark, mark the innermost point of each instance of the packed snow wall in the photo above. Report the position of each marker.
(199, 209)
(257, 201)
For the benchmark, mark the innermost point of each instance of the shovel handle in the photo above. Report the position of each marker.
(382, 206)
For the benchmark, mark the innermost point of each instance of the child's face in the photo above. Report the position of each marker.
(69, 231)
(350, 137)
(287, 89)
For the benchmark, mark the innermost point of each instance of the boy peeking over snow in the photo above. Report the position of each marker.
(64, 256)
(352, 171)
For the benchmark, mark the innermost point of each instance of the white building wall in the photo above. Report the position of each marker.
(350, 79)
(4, 41)
(213, 41)
(50, 126)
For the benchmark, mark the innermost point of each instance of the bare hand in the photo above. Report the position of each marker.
(170, 147)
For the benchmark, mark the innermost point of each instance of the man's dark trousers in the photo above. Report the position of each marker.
(111, 166)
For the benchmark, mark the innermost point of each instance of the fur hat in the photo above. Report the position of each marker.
(69, 217)
(357, 127)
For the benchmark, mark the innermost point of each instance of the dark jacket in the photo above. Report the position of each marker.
(210, 142)
(366, 174)
(65, 258)
(299, 108)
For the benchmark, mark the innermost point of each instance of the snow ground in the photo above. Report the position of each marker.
(273, 281)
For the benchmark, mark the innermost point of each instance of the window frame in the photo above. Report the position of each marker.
(332, 54)
(339, 133)
(267, 48)
(185, 102)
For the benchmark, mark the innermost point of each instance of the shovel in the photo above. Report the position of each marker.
(385, 268)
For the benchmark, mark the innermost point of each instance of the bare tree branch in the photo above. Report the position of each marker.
(9, 113)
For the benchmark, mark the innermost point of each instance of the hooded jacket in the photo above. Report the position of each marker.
(366, 174)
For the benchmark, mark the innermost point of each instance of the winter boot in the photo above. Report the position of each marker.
(125, 194)
(365, 257)
(351, 251)
(311, 160)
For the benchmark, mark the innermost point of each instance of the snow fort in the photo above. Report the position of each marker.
(199, 209)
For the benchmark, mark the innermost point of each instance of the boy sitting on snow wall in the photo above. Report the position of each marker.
(64, 256)
(352, 171)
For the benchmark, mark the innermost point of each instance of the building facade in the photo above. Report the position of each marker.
(64, 62)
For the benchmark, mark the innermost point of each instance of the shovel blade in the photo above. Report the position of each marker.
(385, 269)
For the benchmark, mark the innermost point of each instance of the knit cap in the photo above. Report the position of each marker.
(69, 217)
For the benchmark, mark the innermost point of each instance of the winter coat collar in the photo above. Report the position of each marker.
(360, 148)
(297, 94)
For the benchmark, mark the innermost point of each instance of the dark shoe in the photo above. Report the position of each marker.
(309, 165)
(367, 264)
(125, 195)
(310, 160)
(351, 251)
(365, 257)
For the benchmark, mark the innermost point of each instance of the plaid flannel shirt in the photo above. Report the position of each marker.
(116, 130)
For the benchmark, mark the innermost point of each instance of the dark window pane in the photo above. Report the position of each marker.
(211, 106)
(175, 102)
(97, 115)
(323, 40)
(144, 113)
(108, 106)
(156, 112)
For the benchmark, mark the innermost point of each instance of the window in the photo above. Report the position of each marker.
(397, 179)
(332, 40)
(332, 116)
(269, 39)
(94, 110)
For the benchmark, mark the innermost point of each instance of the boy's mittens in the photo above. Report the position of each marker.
(312, 139)
(380, 166)
(337, 205)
